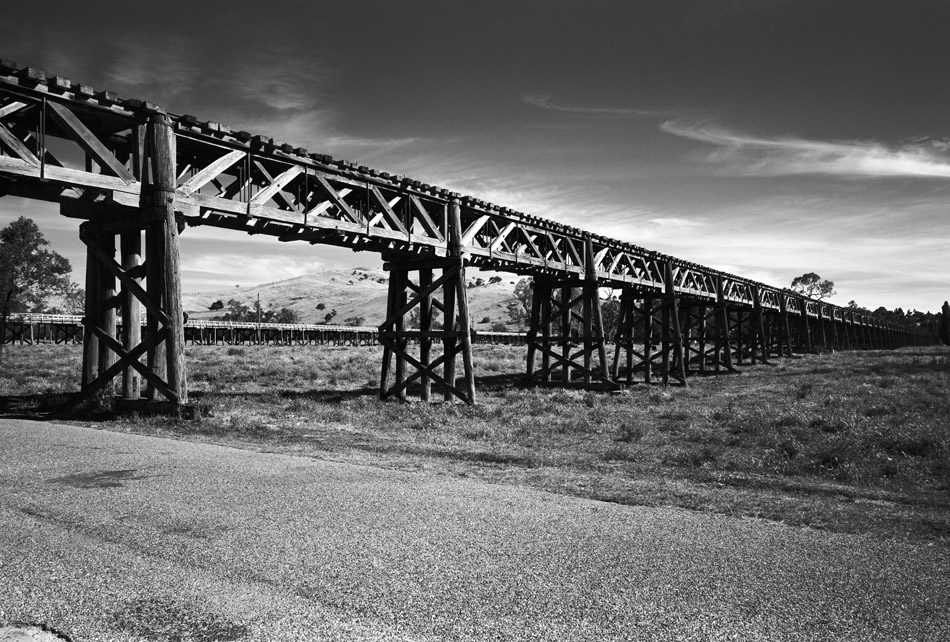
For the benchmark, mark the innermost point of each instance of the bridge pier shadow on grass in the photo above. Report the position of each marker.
(62, 405)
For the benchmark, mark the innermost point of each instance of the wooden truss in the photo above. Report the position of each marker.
(417, 300)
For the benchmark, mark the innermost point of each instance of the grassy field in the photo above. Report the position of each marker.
(850, 442)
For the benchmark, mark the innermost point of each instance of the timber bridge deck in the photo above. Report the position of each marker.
(127, 168)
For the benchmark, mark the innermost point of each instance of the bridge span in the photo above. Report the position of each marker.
(127, 169)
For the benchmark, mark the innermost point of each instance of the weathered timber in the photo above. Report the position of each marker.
(131, 248)
(90, 354)
(464, 322)
(162, 148)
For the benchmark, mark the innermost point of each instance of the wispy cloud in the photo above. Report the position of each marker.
(545, 102)
(168, 64)
(278, 86)
(226, 268)
(316, 129)
(753, 156)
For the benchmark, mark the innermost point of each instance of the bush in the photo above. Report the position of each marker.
(629, 432)
(690, 457)
(907, 446)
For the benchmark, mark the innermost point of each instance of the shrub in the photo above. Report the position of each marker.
(691, 457)
(618, 452)
(907, 445)
(804, 390)
(788, 448)
(629, 432)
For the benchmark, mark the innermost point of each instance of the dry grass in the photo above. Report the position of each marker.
(854, 442)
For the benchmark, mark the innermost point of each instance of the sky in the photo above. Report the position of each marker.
(766, 138)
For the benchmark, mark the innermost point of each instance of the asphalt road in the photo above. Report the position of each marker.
(107, 536)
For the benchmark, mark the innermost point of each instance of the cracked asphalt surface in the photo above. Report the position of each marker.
(109, 536)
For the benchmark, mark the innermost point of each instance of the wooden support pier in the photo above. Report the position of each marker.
(566, 330)
(408, 297)
(104, 357)
(649, 346)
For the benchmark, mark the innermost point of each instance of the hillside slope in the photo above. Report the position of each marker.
(351, 293)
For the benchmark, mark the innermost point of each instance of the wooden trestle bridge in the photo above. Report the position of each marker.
(128, 169)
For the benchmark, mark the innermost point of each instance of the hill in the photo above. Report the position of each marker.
(351, 293)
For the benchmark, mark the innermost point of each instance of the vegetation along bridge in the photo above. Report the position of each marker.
(128, 169)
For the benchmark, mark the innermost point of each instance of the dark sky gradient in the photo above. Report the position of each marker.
(764, 137)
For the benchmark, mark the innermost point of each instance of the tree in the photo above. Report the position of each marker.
(610, 316)
(72, 302)
(519, 308)
(812, 285)
(30, 274)
(238, 312)
(852, 305)
(945, 323)
(285, 315)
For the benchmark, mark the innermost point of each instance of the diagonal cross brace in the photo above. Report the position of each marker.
(210, 172)
(127, 359)
(423, 370)
(16, 145)
(391, 321)
(569, 362)
(123, 275)
(88, 141)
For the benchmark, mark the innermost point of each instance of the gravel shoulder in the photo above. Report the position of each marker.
(110, 536)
